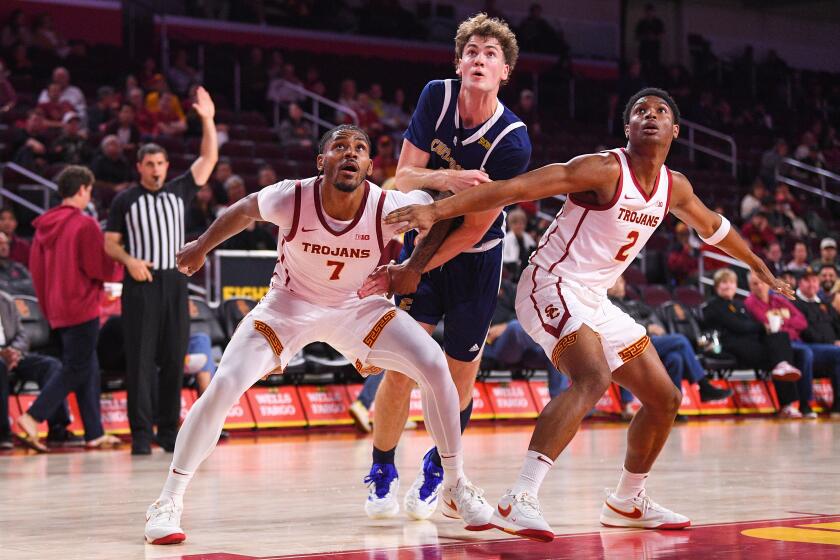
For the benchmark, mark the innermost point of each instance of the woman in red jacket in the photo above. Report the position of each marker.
(69, 265)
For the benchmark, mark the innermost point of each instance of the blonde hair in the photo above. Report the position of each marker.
(724, 274)
(483, 25)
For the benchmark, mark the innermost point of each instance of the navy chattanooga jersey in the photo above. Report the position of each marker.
(500, 146)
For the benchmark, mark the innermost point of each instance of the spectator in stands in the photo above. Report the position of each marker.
(14, 277)
(144, 119)
(835, 298)
(8, 95)
(753, 343)
(294, 131)
(828, 279)
(17, 362)
(821, 334)
(110, 167)
(347, 96)
(154, 297)
(235, 189)
(254, 81)
(16, 31)
(385, 162)
(69, 266)
(148, 73)
(171, 120)
(45, 37)
(535, 34)
(266, 175)
(773, 259)
(377, 104)
(54, 108)
(510, 346)
(29, 143)
(281, 90)
(808, 150)
(753, 200)
(199, 361)
(800, 257)
(276, 65)
(202, 212)
(527, 111)
(367, 117)
(69, 92)
(19, 248)
(649, 33)
(784, 220)
(828, 253)
(630, 81)
(770, 161)
(682, 258)
(104, 110)
(72, 145)
(396, 113)
(518, 244)
(675, 349)
(255, 237)
(21, 64)
(182, 75)
(221, 173)
(124, 127)
(759, 233)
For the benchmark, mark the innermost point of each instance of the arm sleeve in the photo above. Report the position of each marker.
(277, 204)
(116, 215)
(511, 157)
(421, 129)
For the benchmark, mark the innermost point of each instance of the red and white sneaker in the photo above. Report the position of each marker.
(465, 501)
(521, 515)
(788, 411)
(640, 512)
(785, 372)
(163, 523)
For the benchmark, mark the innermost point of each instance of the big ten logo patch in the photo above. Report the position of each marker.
(363, 236)
(551, 311)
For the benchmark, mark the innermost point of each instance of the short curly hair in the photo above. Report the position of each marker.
(483, 25)
(652, 92)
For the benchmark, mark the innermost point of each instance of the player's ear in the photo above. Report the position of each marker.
(319, 163)
(676, 131)
(370, 168)
(627, 131)
(505, 72)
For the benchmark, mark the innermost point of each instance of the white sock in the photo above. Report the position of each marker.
(453, 469)
(630, 484)
(175, 485)
(534, 469)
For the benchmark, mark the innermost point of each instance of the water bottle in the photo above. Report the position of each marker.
(716, 348)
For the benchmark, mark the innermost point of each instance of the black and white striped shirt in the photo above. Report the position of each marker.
(152, 222)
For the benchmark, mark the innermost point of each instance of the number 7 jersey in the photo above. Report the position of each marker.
(594, 244)
(320, 259)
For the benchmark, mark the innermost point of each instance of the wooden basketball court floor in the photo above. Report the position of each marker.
(754, 489)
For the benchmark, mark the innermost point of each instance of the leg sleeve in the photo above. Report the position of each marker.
(405, 347)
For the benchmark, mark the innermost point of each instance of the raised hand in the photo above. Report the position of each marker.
(204, 105)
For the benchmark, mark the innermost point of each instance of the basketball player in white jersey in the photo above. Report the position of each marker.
(616, 199)
(331, 238)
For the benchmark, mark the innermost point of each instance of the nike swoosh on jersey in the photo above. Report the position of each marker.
(304, 230)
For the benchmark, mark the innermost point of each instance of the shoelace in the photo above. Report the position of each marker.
(432, 478)
(473, 492)
(166, 510)
(381, 479)
(528, 503)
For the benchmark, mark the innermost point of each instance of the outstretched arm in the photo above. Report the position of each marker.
(687, 207)
(592, 172)
(239, 216)
(209, 151)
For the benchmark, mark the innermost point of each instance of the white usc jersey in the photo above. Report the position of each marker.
(321, 259)
(593, 244)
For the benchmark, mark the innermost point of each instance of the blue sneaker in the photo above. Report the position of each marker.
(421, 500)
(383, 483)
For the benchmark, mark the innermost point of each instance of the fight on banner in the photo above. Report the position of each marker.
(242, 274)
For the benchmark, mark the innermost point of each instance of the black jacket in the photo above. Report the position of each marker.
(823, 322)
(731, 319)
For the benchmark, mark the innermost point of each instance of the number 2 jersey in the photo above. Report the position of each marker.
(593, 244)
(324, 260)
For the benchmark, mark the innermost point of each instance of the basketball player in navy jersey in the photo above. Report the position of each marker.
(616, 200)
(460, 135)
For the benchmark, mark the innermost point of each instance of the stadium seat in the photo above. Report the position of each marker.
(233, 311)
(202, 319)
(634, 276)
(688, 296)
(655, 295)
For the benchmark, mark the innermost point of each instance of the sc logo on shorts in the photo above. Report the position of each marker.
(551, 311)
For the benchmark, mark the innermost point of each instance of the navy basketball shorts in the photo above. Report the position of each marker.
(463, 292)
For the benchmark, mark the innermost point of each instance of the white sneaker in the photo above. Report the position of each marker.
(785, 372)
(421, 500)
(163, 523)
(383, 484)
(640, 512)
(521, 515)
(465, 501)
(361, 417)
(788, 411)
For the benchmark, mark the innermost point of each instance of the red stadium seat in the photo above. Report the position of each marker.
(655, 295)
(633, 275)
(689, 296)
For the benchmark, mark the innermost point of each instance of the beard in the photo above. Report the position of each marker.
(347, 186)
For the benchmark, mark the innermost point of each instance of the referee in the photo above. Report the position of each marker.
(145, 230)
